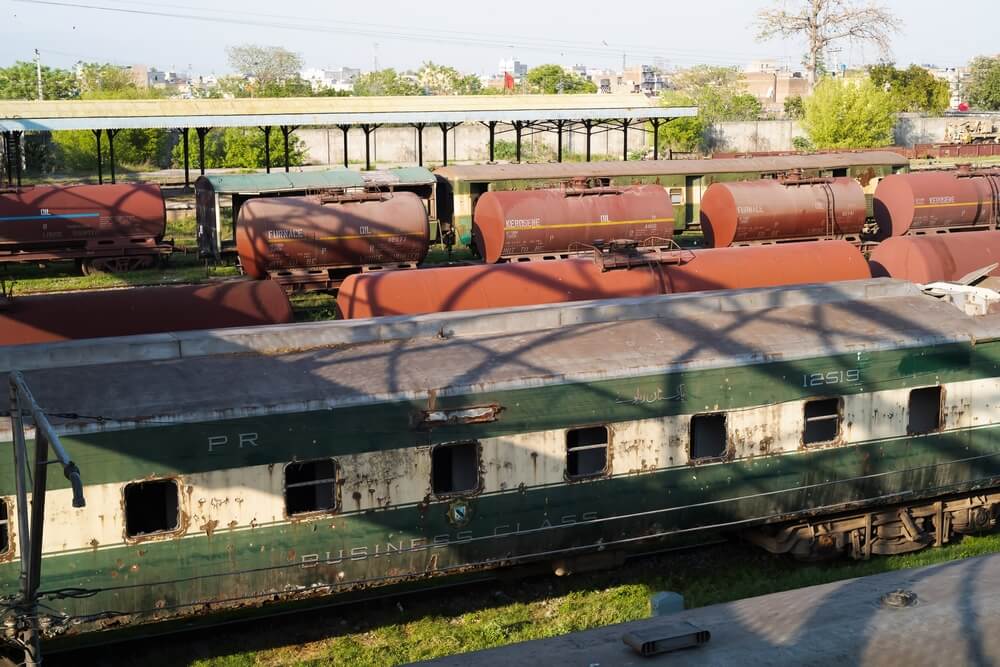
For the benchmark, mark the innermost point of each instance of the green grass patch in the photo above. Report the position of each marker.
(66, 276)
(485, 615)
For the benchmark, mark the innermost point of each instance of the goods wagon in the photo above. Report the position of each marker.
(104, 227)
(938, 257)
(460, 186)
(314, 242)
(607, 275)
(350, 459)
(46, 318)
(219, 197)
(773, 211)
(937, 201)
(510, 225)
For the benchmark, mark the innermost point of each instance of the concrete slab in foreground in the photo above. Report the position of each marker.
(956, 621)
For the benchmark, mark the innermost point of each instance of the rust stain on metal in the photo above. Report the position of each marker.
(507, 224)
(936, 199)
(768, 210)
(529, 283)
(209, 527)
(938, 257)
(277, 233)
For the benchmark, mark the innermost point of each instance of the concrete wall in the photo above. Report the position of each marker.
(761, 135)
(468, 142)
(777, 135)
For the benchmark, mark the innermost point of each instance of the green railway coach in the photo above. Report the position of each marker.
(460, 186)
(236, 472)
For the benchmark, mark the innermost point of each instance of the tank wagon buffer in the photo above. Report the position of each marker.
(105, 228)
(852, 419)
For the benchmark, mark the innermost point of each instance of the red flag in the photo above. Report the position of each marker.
(508, 81)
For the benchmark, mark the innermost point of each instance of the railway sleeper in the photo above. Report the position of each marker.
(892, 530)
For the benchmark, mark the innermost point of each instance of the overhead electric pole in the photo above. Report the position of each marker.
(38, 73)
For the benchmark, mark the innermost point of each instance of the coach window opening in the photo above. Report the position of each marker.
(924, 410)
(586, 452)
(708, 437)
(455, 468)
(311, 486)
(821, 420)
(151, 507)
(4, 527)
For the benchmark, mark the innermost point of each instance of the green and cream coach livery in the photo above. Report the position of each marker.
(237, 472)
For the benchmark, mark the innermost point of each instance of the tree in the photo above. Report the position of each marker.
(848, 114)
(19, 82)
(683, 134)
(444, 80)
(912, 89)
(823, 22)
(983, 87)
(795, 107)
(266, 68)
(720, 94)
(553, 79)
(385, 82)
(76, 150)
(243, 148)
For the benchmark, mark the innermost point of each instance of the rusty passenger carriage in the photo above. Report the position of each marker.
(345, 459)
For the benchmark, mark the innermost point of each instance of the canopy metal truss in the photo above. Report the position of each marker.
(519, 114)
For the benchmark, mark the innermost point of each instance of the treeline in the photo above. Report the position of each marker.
(856, 111)
(261, 71)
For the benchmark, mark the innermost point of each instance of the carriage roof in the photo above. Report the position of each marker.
(681, 332)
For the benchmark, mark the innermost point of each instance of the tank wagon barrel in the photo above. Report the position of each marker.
(508, 224)
(144, 310)
(278, 235)
(772, 210)
(48, 222)
(929, 201)
(941, 257)
(522, 284)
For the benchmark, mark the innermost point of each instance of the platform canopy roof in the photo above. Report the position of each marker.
(301, 111)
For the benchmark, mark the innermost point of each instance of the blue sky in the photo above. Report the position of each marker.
(469, 35)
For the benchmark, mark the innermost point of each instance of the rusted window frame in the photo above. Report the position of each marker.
(478, 488)
(178, 529)
(724, 455)
(335, 480)
(940, 414)
(839, 416)
(9, 549)
(605, 471)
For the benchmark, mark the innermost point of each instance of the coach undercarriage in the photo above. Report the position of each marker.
(891, 530)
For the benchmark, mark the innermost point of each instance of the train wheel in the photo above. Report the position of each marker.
(117, 264)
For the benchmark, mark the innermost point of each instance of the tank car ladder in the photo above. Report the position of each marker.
(21, 628)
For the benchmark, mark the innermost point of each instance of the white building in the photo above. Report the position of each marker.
(341, 79)
(515, 67)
